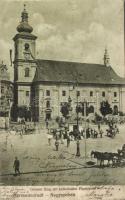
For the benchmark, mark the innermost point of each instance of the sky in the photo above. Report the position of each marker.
(72, 30)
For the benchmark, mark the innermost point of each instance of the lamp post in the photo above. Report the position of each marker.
(77, 111)
(85, 115)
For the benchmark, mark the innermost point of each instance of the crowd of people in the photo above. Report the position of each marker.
(22, 128)
(65, 134)
(77, 134)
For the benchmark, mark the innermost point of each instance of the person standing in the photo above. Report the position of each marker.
(101, 132)
(47, 123)
(49, 139)
(16, 166)
(68, 141)
(61, 137)
(99, 127)
(77, 148)
(57, 145)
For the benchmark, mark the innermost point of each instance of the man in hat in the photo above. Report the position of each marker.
(16, 166)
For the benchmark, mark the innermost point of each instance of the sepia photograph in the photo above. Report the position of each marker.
(62, 93)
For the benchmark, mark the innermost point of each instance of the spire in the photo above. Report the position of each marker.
(106, 58)
(24, 26)
(24, 15)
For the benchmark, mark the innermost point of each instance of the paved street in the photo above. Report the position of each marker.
(42, 165)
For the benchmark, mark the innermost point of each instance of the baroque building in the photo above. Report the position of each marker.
(43, 86)
(6, 91)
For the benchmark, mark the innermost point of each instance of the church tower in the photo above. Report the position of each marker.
(24, 61)
(106, 58)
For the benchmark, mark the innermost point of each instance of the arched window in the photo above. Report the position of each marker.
(115, 110)
(27, 72)
(91, 109)
(48, 104)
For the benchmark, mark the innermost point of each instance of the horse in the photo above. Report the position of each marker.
(100, 156)
(97, 155)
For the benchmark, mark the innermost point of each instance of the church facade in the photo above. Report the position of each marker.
(43, 86)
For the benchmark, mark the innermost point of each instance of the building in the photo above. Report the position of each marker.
(6, 92)
(43, 86)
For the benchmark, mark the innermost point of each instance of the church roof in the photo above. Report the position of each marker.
(70, 72)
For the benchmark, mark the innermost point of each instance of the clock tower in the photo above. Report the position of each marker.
(24, 61)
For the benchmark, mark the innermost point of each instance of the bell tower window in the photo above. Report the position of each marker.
(27, 72)
(26, 46)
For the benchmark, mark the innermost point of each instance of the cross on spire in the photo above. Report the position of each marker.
(24, 26)
(24, 14)
(24, 6)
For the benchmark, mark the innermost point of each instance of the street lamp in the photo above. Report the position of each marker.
(77, 112)
(85, 103)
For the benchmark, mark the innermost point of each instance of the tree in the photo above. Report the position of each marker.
(65, 109)
(105, 108)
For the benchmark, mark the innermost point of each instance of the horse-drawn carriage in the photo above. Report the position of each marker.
(121, 153)
(116, 159)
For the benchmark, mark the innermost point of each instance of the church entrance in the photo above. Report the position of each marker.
(115, 110)
(48, 115)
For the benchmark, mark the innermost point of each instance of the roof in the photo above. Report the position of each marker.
(70, 72)
(24, 35)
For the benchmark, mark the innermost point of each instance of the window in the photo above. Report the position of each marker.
(27, 72)
(78, 93)
(91, 109)
(27, 93)
(2, 89)
(91, 93)
(26, 46)
(48, 104)
(47, 92)
(115, 94)
(2, 103)
(63, 93)
(103, 94)
(115, 110)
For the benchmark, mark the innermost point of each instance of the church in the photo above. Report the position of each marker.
(43, 86)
